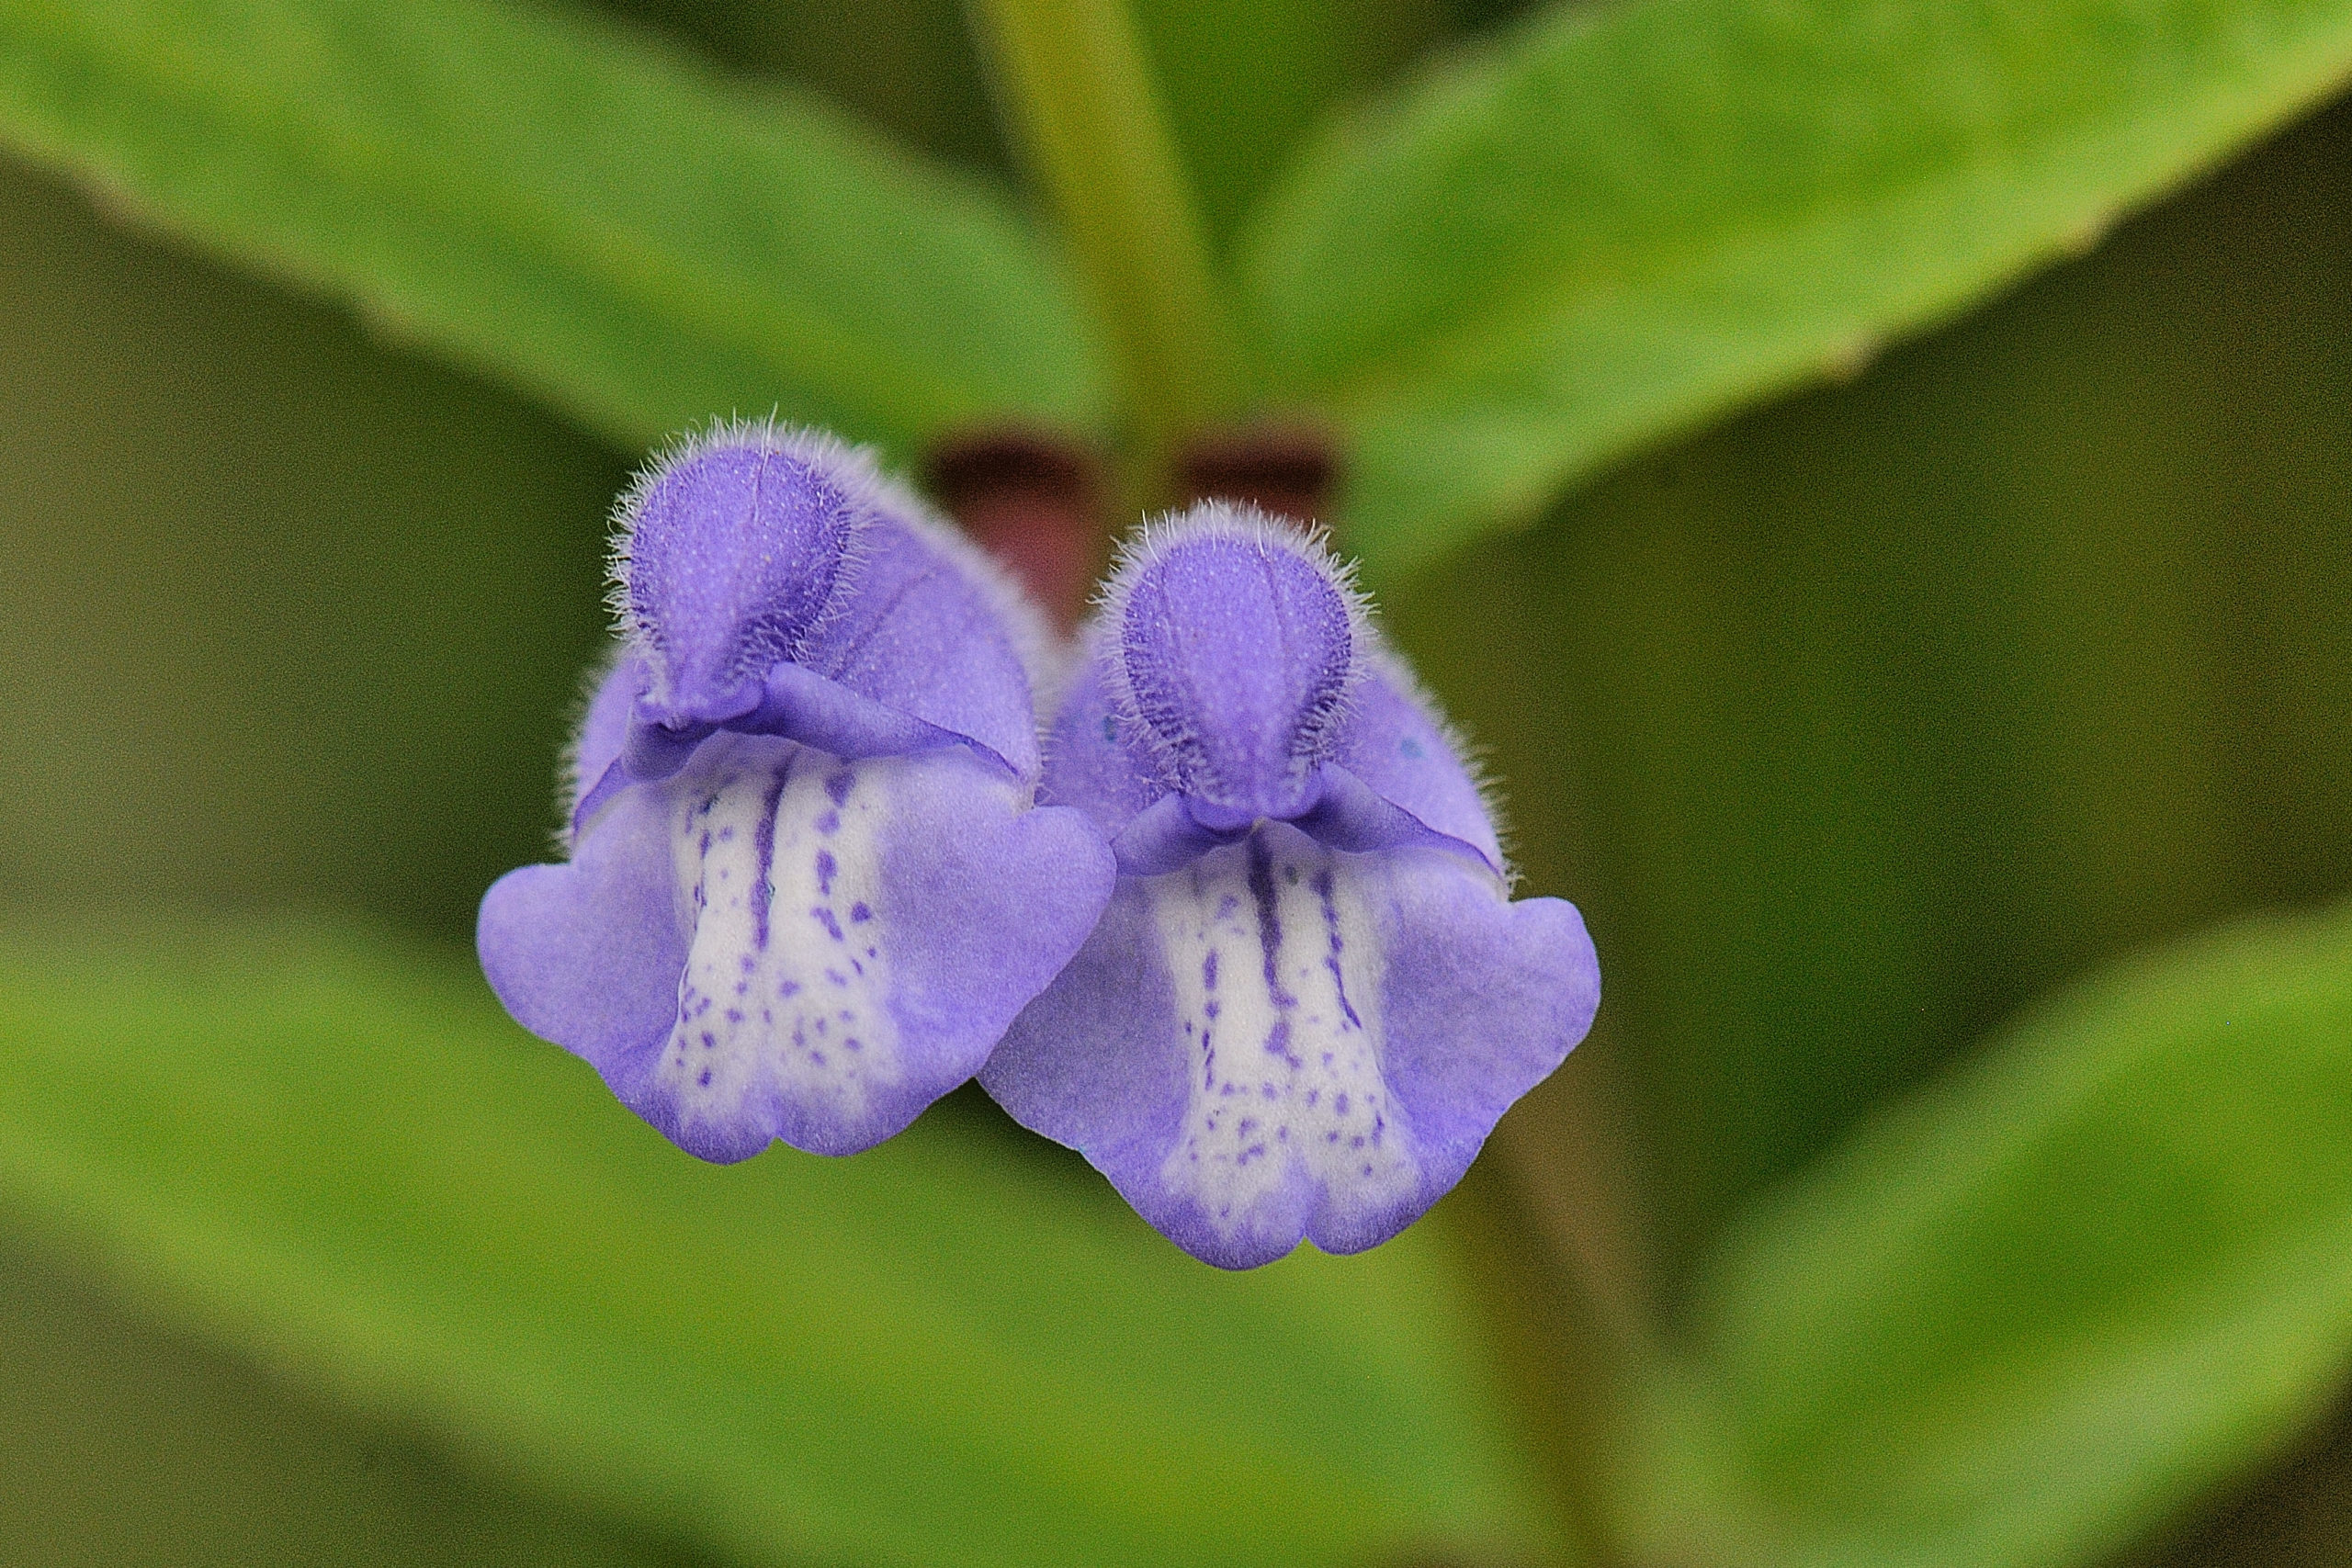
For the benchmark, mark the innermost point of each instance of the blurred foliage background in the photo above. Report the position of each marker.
(1854, 723)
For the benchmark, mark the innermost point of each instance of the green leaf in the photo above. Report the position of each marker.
(344, 1160)
(1631, 218)
(124, 1441)
(1245, 79)
(1860, 720)
(562, 206)
(2091, 1277)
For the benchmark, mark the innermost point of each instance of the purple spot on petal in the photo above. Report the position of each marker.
(837, 786)
(830, 823)
(826, 866)
(859, 913)
(824, 918)
(704, 1079)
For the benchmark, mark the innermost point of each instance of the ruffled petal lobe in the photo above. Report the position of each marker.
(1285, 1042)
(779, 944)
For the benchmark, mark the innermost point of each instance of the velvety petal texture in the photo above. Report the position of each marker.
(1311, 996)
(804, 896)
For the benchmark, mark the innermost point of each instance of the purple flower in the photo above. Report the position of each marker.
(808, 890)
(1310, 998)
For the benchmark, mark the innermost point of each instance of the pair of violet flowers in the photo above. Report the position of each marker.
(1240, 930)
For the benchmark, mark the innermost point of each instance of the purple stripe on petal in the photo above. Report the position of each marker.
(764, 855)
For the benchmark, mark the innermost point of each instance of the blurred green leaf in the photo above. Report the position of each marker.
(1860, 720)
(1244, 80)
(2078, 1284)
(1631, 216)
(124, 1442)
(904, 66)
(561, 205)
(344, 1160)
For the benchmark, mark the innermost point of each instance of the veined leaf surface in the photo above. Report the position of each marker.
(561, 205)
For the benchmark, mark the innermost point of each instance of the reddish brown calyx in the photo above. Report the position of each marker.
(1288, 470)
(1032, 501)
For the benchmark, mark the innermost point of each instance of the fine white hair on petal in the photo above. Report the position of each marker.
(570, 785)
(851, 468)
(1391, 667)
(874, 494)
(1148, 545)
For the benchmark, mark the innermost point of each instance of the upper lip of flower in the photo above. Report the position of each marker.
(704, 712)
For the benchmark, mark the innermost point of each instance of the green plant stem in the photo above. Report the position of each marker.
(1572, 1356)
(1070, 75)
